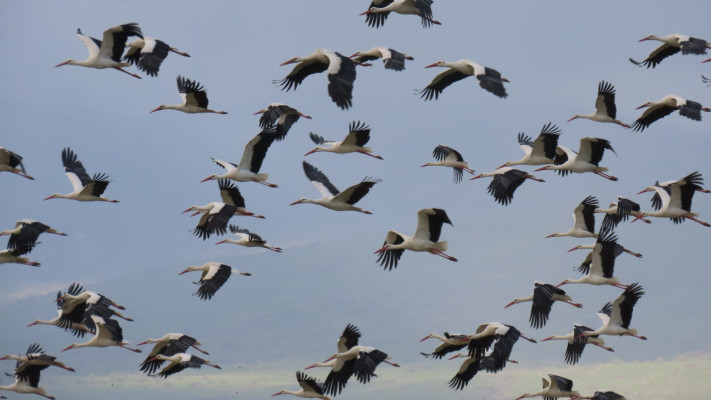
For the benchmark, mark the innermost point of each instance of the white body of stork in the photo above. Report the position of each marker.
(280, 116)
(214, 275)
(605, 108)
(14, 256)
(672, 44)
(85, 188)
(489, 78)
(332, 198)
(426, 238)
(366, 360)
(380, 9)
(26, 232)
(179, 362)
(194, 98)
(248, 168)
(673, 199)
(666, 105)
(340, 69)
(587, 159)
(506, 181)
(583, 220)
(34, 360)
(354, 142)
(248, 239)
(448, 157)
(543, 296)
(502, 336)
(539, 151)
(557, 387)
(392, 59)
(310, 388)
(616, 316)
(576, 344)
(147, 54)
(341, 369)
(12, 162)
(108, 333)
(106, 53)
(599, 265)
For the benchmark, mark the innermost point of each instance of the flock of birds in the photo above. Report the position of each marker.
(490, 347)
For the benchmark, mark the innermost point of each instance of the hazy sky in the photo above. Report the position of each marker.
(290, 312)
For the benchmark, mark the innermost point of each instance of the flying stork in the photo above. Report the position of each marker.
(354, 142)
(448, 157)
(666, 105)
(86, 188)
(12, 162)
(671, 44)
(587, 159)
(392, 59)
(194, 98)
(379, 10)
(605, 108)
(540, 151)
(214, 275)
(542, 299)
(147, 54)
(489, 78)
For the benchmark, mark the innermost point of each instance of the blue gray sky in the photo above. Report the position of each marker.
(292, 309)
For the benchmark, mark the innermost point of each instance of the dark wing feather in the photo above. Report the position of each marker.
(440, 82)
(315, 174)
(299, 73)
(340, 84)
(491, 81)
(466, 373)
(73, 165)
(503, 186)
(209, 287)
(150, 61)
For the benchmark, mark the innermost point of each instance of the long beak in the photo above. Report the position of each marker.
(571, 119)
(354, 54)
(365, 12)
(68, 347)
(505, 80)
(188, 210)
(195, 213)
(142, 343)
(293, 60)
(642, 106)
(312, 151)
(431, 65)
(644, 191)
(573, 249)
(379, 251)
(476, 177)
(296, 202)
(151, 359)
(184, 271)
(560, 284)
(642, 40)
(207, 179)
(221, 241)
(329, 359)
(510, 304)
(550, 236)
(154, 110)
(60, 64)
(424, 338)
(310, 366)
(540, 169)
(547, 339)
(259, 112)
(50, 197)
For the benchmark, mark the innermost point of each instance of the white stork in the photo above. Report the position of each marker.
(502, 336)
(26, 232)
(450, 342)
(666, 105)
(340, 69)
(542, 299)
(248, 239)
(34, 360)
(194, 98)
(599, 265)
(557, 387)
(605, 108)
(27, 385)
(86, 188)
(108, 333)
(13, 256)
(214, 275)
(506, 181)
(167, 345)
(332, 198)
(619, 212)
(448, 157)
(576, 344)
(12, 162)
(616, 316)
(341, 368)
(248, 168)
(216, 216)
(672, 44)
(673, 199)
(489, 78)
(472, 365)
(230, 195)
(106, 53)
(379, 10)
(540, 151)
(583, 218)
(310, 388)
(587, 159)
(426, 238)
(366, 361)
(147, 54)
(392, 59)
(179, 362)
(354, 142)
(281, 116)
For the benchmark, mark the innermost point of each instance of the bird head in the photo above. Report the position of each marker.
(439, 63)
(515, 301)
(545, 167)
(191, 268)
(650, 37)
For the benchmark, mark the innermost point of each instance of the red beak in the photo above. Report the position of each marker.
(431, 65)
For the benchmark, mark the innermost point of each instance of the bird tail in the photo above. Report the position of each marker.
(262, 177)
(603, 169)
(441, 246)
